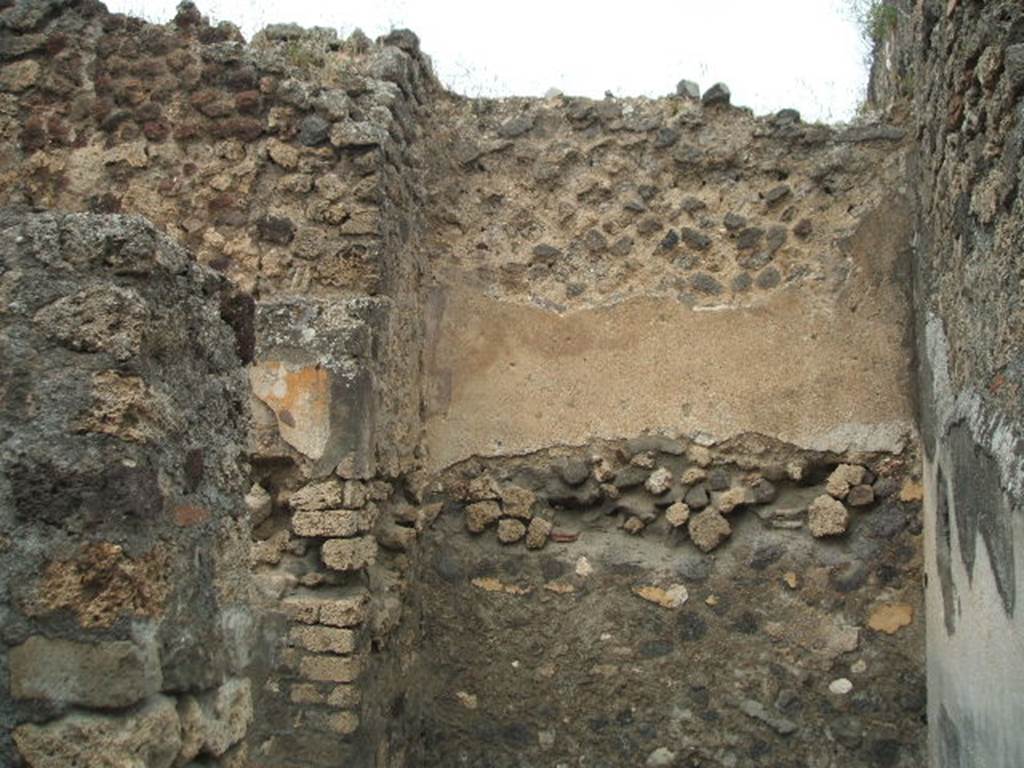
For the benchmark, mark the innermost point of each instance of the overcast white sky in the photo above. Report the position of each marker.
(806, 54)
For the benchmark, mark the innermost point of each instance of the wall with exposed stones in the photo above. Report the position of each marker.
(126, 613)
(958, 68)
(601, 396)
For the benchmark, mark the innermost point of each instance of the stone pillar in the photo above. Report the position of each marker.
(124, 617)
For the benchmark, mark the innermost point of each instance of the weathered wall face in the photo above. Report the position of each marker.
(125, 617)
(964, 65)
(656, 600)
(613, 267)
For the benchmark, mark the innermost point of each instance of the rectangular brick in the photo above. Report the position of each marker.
(327, 523)
(344, 611)
(322, 495)
(344, 697)
(323, 639)
(349, 554)
(330, 669)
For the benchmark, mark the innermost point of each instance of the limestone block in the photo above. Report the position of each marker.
(110, 674)
(327, 522)
(150, 737)
(349, 554)
(330, 669)
(317, 496)
(344, 611)
(212, 723)
(323, 639)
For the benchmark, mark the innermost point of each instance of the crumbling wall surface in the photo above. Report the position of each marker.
(280, 163)
(656, 602)
(964, 64)
(284, 164)
(601, 266)
(125, 618)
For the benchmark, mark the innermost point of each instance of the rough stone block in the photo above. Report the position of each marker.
(349, 554)
(327, 522)
(344, 697)
(330, 669)
(111, 674)
(150, 737)
(323, 639)
(319, 496)
(214, 722)
(344, 611)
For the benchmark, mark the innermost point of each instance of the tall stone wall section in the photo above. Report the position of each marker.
(958, 68)
(126, 615)
(283, 165)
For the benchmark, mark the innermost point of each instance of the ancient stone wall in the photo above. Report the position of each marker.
(126, 617)
(962, 65)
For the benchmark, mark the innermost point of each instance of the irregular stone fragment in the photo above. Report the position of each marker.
(776, 194)
(516, 126)
(716, 94)
(677, 515)
(659, 481)
(149, 737)
(827, 517)
(764, 491)
(537, 533)
(890, 618)
(481, 515)
(633, 526)
(697, 497)
(643, 459)
(574, 472)
(510, 531)
(860, 495)
(699, 455)
(911, 491)
(518, 502)
(672, 597)
(843, 478)
(709, 529)
(662, 757)
(688, 90)
(212, 723)
(396, 538)
(483, 488)
(259, 504)
(840, 686)
(349, 554)
(729, 500)
(693, 475)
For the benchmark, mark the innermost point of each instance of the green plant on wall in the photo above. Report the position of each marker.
(877, 19)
